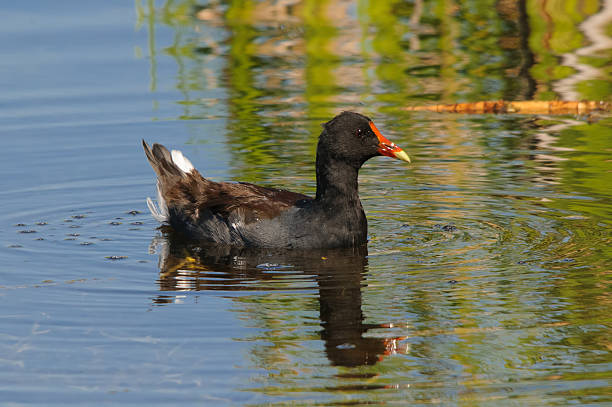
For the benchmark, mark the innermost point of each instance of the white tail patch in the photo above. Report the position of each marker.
(181, 161)
(159, 211)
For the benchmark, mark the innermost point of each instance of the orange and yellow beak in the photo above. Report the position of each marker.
(388, 148)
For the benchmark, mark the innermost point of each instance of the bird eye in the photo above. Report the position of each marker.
(359, 133)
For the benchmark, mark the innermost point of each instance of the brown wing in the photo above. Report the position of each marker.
(194, 194)
(190, 194)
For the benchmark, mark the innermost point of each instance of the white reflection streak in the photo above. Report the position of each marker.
(415, 18)
(594, 29)
(546, 141)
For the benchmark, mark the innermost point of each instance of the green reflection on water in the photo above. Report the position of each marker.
(588, 169)
(528, 197)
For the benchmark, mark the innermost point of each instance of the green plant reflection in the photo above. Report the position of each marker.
(489, 258)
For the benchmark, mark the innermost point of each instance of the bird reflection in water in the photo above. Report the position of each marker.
(337, 273)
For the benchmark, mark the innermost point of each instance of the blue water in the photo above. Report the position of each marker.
(486, 280)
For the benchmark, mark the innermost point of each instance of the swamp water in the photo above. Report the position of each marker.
(487, 277)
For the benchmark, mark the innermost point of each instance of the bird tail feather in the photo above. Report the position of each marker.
(168, 166)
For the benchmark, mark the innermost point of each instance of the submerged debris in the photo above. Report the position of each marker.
(116, 257)
(521, 107)
(447, 228)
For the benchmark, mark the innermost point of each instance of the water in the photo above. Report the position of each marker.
(487, 277)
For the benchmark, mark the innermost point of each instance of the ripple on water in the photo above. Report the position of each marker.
(66, 239)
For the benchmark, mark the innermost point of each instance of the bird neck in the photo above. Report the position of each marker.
(336, 180)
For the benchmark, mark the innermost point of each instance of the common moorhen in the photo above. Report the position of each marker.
(243, 214)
